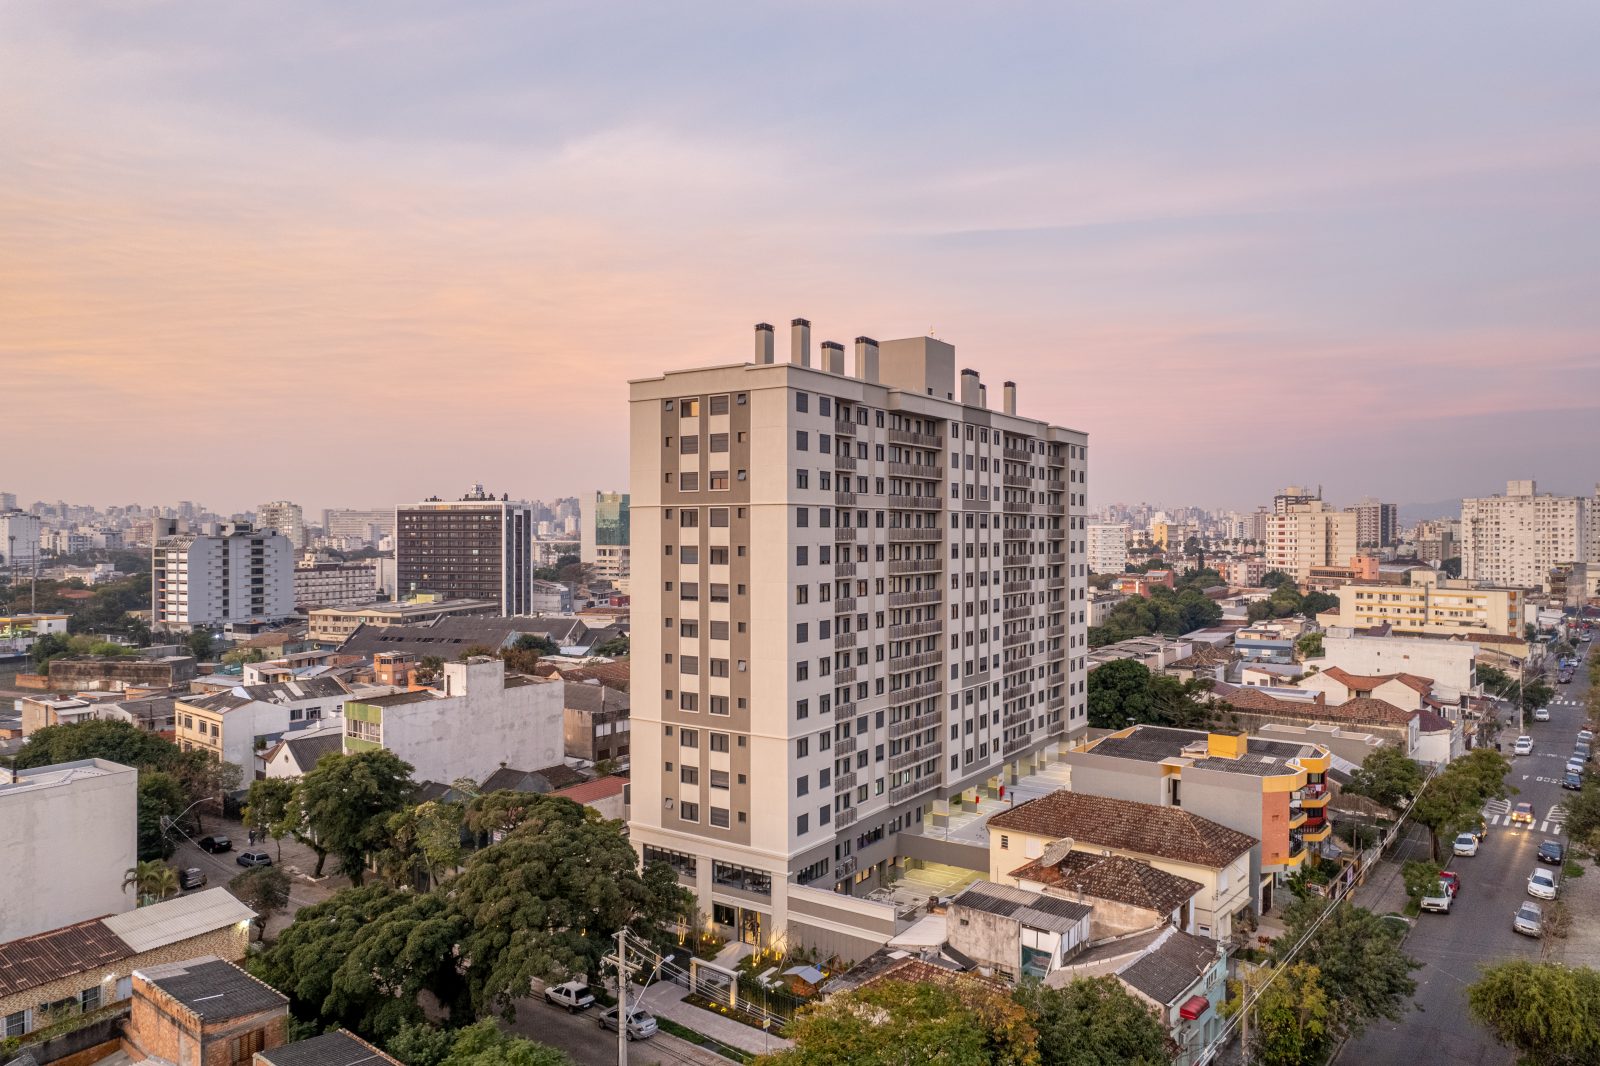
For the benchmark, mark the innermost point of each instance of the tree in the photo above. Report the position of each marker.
(1453, 800)
(1309, 646)
(546, 901)
(1119, 694)
(421, 1045)
(1291, 1019)
(201, 645)
(96, 738)
(615, 648)
(429, 669)
(267, 808)
(897, 1023)
(1387, 777)
(1093, 1022)
(240, 656)
(160, 799)
(1420, 878)
(525, 652)
(424, 842)
(50, 646)
(484, 1044)
(1545, 1011)
(1359, 957)
(151, 881)
(1273, 579)
(344, 803)
(494, 814)
(265, 890)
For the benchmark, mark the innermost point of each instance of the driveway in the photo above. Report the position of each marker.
(298, 862)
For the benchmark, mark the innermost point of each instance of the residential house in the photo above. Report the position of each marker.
(1269, 641)
(1449, 663)
(596, 725)
(1169, 838)
(607, 795)
(542, 782)
(1013, 933)
(67, 834)
(297, 753)
(1276, 792)
(1406, 691)
(88, 673)
(1127, 895)
(1183, 979)
(336, 623)
(240, 724)
(202, 1012)
(550, 597)
(479, 720)
(333, 1048)
(88, 965)
(1155, 652)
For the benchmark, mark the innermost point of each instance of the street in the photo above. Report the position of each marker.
(580, 1036)
(1451, 947)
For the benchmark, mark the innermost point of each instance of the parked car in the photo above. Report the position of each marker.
(1575, 764)
(1523, 746)
(1584, 749)
(1553, 851)
(1541, 714)
(1573, 780)
(1529, 919)
(1522, 814)
(1466, 844)
(574, 995)
(191, 879)
(1586, 736)
(214, 844)
(641, 1023)
(1542, 883)
(254, 858)
(1452, 881)
(1438, 900)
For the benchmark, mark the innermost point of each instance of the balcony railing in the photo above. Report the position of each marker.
(843, 747)
(845, 782)
(915, 440)
(915, 566)
(899, 533)
(912, 693)
(844, 499)
(914, 789)
(844, 605)
(916, 503)
(914, 661)
(842, 641)
(844, 462)
(841, 820)
(914, 598)
(906, 630)
(844, 569)
(921, 753)
(906, 726)
(844, 533)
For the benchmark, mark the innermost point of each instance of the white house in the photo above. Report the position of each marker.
(1448, 662)
(239, 725)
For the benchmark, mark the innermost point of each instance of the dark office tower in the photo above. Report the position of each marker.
(477, 547)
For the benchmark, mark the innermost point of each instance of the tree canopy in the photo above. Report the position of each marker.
(1545, 1011)
(265, 890)
(1359, 960)
(1453, 800)
(1093, 1022)
(1386, 776)
(343, 804)
(1292, 1019)
(1172, 612)
(1124, 692)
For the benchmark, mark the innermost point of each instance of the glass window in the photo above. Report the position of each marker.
(719, 817)
(689, 408)
(719, 404)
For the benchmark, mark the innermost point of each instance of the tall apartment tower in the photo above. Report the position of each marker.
(19, 543)
(1293, 496)
(1377, 524)
(240, 574)
(856, 599)
(477, 547)
(604, 538)
(285, 517)
(1516, 539)
(1309, 534)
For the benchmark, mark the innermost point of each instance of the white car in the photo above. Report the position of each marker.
(574, 995)
(1542, 883)
(1542, 714)
(1438, 900)
(1466, 844)
(1523, 746)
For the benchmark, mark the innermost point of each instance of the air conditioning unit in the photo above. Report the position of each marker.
(667, 803)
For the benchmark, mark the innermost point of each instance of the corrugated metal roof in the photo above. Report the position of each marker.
(178, 919)
(35, 960)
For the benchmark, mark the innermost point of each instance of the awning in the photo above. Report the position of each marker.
(1193, 1007)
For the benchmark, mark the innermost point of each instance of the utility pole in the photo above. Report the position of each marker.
(622, 996)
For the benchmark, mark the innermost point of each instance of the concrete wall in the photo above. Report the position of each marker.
(63, 850)
(114, 675)
(1449, 663)
(482, 727)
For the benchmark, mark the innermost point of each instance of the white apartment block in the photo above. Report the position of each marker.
(855, 597)
(320, 584)
(67, 834)
(1431, 605)
(482, 720)
(1310, 533)
(1517, 538)
(283, 517)
(240, 724)
(1108, 548)
(20, 534)
(237, 575)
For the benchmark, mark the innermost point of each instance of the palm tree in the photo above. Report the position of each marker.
(152, 881)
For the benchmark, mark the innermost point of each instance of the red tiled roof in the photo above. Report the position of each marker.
(1113, 877)
(1368, 682)
(1428, 722)
(43, 957)
(1143, 828)
(589, 791)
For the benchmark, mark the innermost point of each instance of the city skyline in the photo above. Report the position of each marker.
(267, 226)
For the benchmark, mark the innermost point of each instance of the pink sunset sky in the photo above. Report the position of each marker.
(356, 253)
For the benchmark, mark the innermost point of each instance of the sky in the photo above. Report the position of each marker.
(357, 253)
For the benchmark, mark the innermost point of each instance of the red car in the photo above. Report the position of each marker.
(1452, 881)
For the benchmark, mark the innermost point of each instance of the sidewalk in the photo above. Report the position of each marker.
(1384, 890)
(665, 1000)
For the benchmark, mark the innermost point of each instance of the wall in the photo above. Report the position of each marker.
(1449, 663)
(985, 938)
(482, 726)
(79, 1047)
(83, 834)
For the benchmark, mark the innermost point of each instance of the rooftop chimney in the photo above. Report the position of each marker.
(969, 387)
(1010, 397)
(800, 342)
(764, 339)
(832, 357)
(867, 359)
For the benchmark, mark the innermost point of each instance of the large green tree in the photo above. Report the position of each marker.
(1358, 956)
(1545, 1011)
(547, 900)
(161, 799)
(1292, 1017)
(97, 738)
(267, 809)
(424, 843)
(1386, 776)
(900, 1023)
(484, 1044)
(1124, 692)
(344, 802)
(1453, 800)
(265, 890)
(1093, 1022)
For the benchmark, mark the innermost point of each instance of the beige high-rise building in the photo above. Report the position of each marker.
(1308, 534)
(1517, 538)
(854, 596)
(286, 518)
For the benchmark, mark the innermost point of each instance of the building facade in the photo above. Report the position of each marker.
(476, 547)
(855, 596)
(604, 544)
(1377, 524)
(19, 543)
(366, 527)
(238, 575)
(1108, 548)
(1431, 605)
(319, 584)
(1516, 539)
(286, 518)
(1306, 534)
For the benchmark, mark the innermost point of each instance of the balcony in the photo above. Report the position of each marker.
(844, 533)
(907, 630)
(1015, 691)
(844, 426)
(914, 598)
(844, 569)
(1057, 559)
(1316, 833)
(1017, 744)
(915, 503)
(913, 790)
(915, 661)
(845, 676)
(842, 641)
(844, 605)
(900, 533)
(1016, 481)
(1017, 560)
(844, 747)
(906, 726)
(1013, 587)
(1018, 455)
(844, 499)
(845, 818)
(898, 567)
(1011, 614)
(912, 693)
(1056, 631)
(920, 754)
(844, 711)
(1059, 581)
(916, 440)
(845, 782)
(928, 471)
(844, 462)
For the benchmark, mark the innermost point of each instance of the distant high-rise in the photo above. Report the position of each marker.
(1377, 524)
(369, 526)
(241, 574)
(1108, 548)
(605, 537)
(477, 547)
(8, 501)
(1518, 538)
(285, 517)
(1291, 496)
(19, 542)
(1308, 534)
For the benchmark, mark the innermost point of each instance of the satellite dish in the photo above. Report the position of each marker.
(1056, 852)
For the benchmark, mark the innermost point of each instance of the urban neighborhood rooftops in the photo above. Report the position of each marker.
(1033, 909)
(1259, 758)
(336, 1048)
(1112, 877)
(213, 990)
(1171, 968)
(1143, 828)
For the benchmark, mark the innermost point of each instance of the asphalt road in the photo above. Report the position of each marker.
(581, 1037)
(1477, 930)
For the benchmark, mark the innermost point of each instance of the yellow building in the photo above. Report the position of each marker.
(1432, 606)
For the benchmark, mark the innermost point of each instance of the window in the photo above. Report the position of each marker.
(719, 779)
(719, 516)
(802, 479)
(719, 556)
(802, 785)
(688, 664)
(684, 864)
(688, 518)
(802, 826)
(689, 553)
(689, 701)
(689, 408)
(689, 812)
(719, 482)
(802, 441)
(802, 632)
(689, 738)
(719, 404)
(689, 775)
(719, 742)
(719, 817)
(719, 594)
(689, 481)
(719, 442)
(689, 590)
(802, 402)
(719, 668)
(727, 875)
(802, 557)
(719, 705)
(688, 444)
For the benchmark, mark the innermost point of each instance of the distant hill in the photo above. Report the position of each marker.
(1412, 513)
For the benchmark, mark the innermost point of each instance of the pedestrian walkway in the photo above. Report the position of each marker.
(665, 999)
(1497, 812)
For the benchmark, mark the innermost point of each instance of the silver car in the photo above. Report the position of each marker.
(641, 1023)
(1529, 920)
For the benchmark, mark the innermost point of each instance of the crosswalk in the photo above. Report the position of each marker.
(1565, 701)
(1498, 812)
